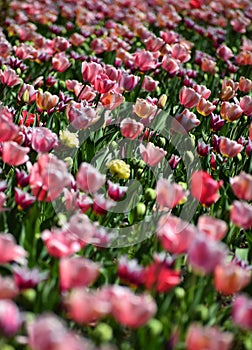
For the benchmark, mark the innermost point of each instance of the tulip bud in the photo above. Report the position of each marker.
(140, 210)
(150, 194)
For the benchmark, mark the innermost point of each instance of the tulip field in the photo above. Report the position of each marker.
(125, 175)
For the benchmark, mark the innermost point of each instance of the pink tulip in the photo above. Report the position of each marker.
(241, 214)
(229, 148)
(242, 186)
(10, 318)
(130, 128)
(13, 154)
(89, 179)
(144, 109)
(90, 71)
(60, 62)
(9, 77)
(47, 332)
(184, 122)
(149, 84)
(151, 154)
(77, 272)
(129, 309)
(242, 312)
(188, 97)
(212, 227)
(175, 234)
(202, 90)
(180, 52)
(102, 84)
(170, 65)
(145, 60)
(27, 94)
(80, 115)
(210, 338)
(246, 105)
(128, 82)
(245, 85)
(169, 194)
(43, 139)
(61, 243)
(3, 198)
(85, 306)
(230, 278)
(204, 188)
(224, 52)
(205, 254)
(86, 93)
(8, 130)
(230, 111)
(8, 288)
(48, 177)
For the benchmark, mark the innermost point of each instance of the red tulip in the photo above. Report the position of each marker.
(204, 188)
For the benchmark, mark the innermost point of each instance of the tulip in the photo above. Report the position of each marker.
(60, 62)
(9, 77)
(27, 94)
(169, 194)
(210, 338)
(85, 306)
(89, 179)
(102, 84)
(145, 60)
(9, 251)
(242, 312)
(212, 227)
(205, 107)
(216, 122)
(128, 82)
(175, 234)
(151, 154)
(170, 65)
(8, 288)
(242, 186)
(149, 84)
(46, 101)
(204, 188)
(90, 71)
(13, 154)
(204, 253)
(188, 97)
(111, 100)
(144, 109)
(130, 272)
(77, 272)
(230, 278)
(161, 278)
(246, 105)
(184, 122)
(61, 243)
(229, 148)
(115, 191)
(48, 177)
(130, 128)
(129, 309)
(23, 199)
(245, 85)
(180, 53)
(8, 130)
(241, 214)
(80, 115)
(119, 168)
(27, 278)
(230, 111)
(43, 139)
(202, 90)
(10, 318)
(224, 52)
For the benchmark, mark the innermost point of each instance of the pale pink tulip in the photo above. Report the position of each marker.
(169, 194)
(242, 312)
(151, 154)
(43, 139)
(89, 179)
(215, 228)
(242, 186)
(13, 154)
(241, 214)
